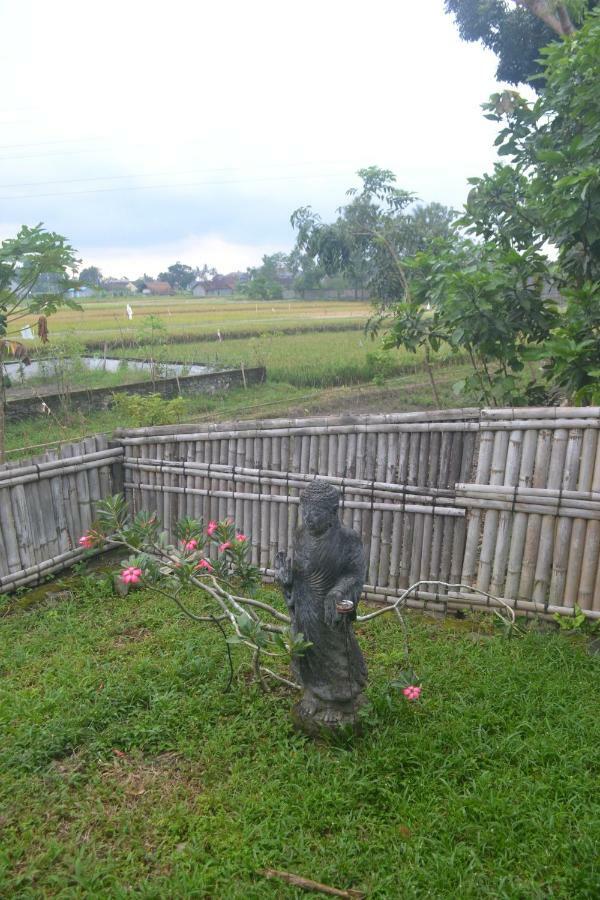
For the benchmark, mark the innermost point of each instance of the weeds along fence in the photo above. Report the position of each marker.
(505, 501)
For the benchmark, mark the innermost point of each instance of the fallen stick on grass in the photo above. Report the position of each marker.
(309, 885)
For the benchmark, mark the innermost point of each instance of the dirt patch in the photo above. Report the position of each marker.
(130, 776)
(131, 635)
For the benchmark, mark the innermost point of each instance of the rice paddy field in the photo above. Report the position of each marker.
(106, 318)
(316, 359)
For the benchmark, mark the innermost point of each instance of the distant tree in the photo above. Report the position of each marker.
(265, 281)
(179, 276)
(140, 282)
(204, 273)
(92, 276)
(516, 31)
(371, 235)
(32, 257)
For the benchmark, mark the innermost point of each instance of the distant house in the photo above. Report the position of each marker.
(157, 288)
(222, 285)
(120, 287)
(199, 289)
(81, 292)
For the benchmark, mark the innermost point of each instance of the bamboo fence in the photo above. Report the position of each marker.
(505, 501)
(47, 504)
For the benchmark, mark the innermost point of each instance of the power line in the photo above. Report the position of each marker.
(154, 187)
(55, 141)
(20, 184)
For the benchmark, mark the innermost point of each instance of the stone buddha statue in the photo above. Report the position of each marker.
(322, 585)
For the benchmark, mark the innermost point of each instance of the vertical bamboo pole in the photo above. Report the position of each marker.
(283, 507)
(380, 464)
(409, 518)
(564, 525)
(387, 519)
(546, 542)
(58, 507)
(9, 532)
(359, 469)
(577, 542)
(231, 461)
(256, 533)
(419, 523)
(399, 518)
(484, 464)
(534, 524)
(451, 450)
(274, 506)
(221, 511)
(520, 519)
(23, 525)
(490, 524)
(589, 566)
(349, 468)
(296, 466)
(459, 534)
(505, 518)
(240, 445)
(432, 473)
(265, 531)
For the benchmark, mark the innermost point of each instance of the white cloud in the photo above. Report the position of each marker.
(193, 249)
(263, 95)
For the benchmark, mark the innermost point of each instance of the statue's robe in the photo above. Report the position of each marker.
(333, 669)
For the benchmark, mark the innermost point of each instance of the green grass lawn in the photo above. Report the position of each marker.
(126, 771)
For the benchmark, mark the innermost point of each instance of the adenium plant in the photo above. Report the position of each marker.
(212, 564)
(209, 560)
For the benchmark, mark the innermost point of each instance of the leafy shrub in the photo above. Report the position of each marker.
(149, 409)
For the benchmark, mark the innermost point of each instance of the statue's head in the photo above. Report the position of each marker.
(319, 503)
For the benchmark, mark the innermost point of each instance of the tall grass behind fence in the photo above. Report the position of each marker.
(47, 503)
(502, 501)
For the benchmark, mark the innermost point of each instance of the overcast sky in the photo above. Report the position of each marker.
(149, 132)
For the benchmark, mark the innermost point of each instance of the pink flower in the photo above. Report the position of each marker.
(86, 541)
(211, 528)
(241, 537)
(204, 564)
(224, 546)
(190, 545)
(412, 692)
(131, 575)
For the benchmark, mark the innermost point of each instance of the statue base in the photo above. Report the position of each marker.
(328, 719)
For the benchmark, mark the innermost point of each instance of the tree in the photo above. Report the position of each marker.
(517, 31)
(493, 296)
(265, 281)
(92, 276)
(27, 260)
(179, 276)
(372, 234)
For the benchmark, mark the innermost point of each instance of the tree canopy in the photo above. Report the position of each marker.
(372, 232)
(517, 31)
(36, 269)
(536, 224)
(179, 276)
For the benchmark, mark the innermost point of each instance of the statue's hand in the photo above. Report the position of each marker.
(283, 569)
(331, 615)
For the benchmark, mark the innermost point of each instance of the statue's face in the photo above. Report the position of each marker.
(318, 518)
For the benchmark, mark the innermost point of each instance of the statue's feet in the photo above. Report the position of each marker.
(326, 720)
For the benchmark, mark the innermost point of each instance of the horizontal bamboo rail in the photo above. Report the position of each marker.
(284, 498)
